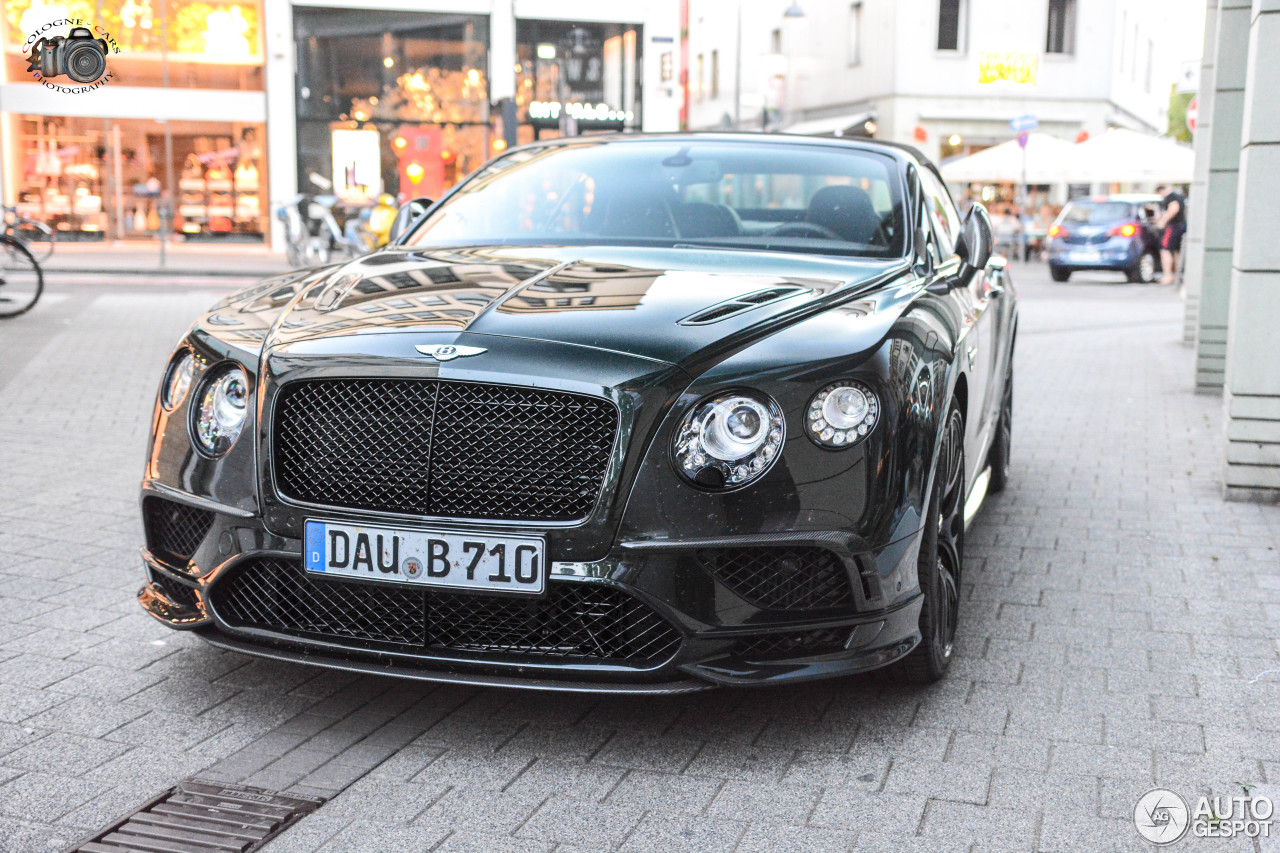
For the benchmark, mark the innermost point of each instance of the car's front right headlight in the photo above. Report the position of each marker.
(729, 440)
(224, 401)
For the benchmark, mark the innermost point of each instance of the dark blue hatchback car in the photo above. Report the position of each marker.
(1106, 233)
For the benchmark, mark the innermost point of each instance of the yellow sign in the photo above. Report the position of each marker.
(1013, 67)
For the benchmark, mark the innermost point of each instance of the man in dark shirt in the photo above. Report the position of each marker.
(1174, 222)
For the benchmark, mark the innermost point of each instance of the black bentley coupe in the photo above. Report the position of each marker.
(639, 413)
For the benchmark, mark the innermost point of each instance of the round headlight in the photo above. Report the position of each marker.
(223, 405)
(729, 440)
(842, 414)
(178, 379)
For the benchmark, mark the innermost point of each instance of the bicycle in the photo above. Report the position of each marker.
(21, 279)
(38, 236)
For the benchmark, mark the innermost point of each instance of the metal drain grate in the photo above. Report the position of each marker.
(203, 817)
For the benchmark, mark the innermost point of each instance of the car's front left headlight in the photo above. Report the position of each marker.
(729, 440)
(224, 401)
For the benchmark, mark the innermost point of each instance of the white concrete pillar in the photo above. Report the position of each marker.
(502, 51)
(1252, 392)
(1232, 32)
(282, 112)
(1196, 219)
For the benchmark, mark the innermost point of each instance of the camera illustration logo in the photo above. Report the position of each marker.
(81, 55)
(1161, 816)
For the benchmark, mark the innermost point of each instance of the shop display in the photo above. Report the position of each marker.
(70, 168)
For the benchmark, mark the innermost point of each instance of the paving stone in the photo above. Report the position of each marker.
(591, 824)
(665, 794)
(64, 753)
(764, 801)
(475, 842)
(44, 797)
(374, 836)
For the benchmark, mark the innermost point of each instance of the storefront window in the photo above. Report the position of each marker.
(133, 178)
(188, 44)
(389, 102)
(587, 75)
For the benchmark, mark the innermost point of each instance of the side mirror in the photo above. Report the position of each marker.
(976, 243)
(408, 214)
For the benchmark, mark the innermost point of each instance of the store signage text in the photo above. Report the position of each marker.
(542, 112)
(1008, 67)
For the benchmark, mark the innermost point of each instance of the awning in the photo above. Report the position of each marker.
(830, 126)
(1125, 156)
(1048, 160)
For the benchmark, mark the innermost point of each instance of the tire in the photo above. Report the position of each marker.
(1059, 273)
(21, 280)
(1143, 270)
(940, 561)
(1001, 452)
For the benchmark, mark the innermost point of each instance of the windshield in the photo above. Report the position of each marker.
(752, 195)
(1096, 212)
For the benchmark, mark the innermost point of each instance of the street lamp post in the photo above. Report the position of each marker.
(794, 12)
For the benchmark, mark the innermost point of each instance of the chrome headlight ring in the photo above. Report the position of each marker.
(729, 440)
(842, 414)
(221, 410)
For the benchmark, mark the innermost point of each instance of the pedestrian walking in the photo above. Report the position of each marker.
(1173, 221)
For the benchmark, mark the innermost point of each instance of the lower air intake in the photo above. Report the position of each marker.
(583, 621)
(174, 531)
(781, 578)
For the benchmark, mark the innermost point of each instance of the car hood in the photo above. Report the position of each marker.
(673, 306)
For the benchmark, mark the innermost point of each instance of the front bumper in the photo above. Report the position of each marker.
(717, 636)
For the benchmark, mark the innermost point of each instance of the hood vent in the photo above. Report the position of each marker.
(740, 304)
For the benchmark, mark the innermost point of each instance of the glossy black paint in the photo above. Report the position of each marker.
(607, 321)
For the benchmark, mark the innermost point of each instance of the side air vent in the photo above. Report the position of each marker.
(739, 304)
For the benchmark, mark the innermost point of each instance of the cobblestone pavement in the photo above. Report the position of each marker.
(1118, 632)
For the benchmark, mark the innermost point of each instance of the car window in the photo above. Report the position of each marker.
(1095, 212)
(946, 221)
(768, 196)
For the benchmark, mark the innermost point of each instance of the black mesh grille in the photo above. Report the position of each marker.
(573, 620)
(821, 641)
(174, 530)
(452, 449)
(802, 578)
(176, 591)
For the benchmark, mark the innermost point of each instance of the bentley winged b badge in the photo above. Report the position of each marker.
(447, 352)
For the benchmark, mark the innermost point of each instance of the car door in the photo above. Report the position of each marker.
(978, 349)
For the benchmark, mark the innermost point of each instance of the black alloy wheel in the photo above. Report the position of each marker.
(1002, 448)
(941, 558)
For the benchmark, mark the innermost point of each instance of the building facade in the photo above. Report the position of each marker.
(215, 112)
(945, 75)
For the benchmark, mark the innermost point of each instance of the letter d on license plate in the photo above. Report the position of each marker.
(428, 557)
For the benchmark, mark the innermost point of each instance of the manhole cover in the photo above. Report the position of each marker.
(202, 817)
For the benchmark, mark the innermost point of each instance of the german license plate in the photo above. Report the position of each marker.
(1087, 256)
(428, 557)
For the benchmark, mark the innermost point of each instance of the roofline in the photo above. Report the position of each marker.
(857, 142)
